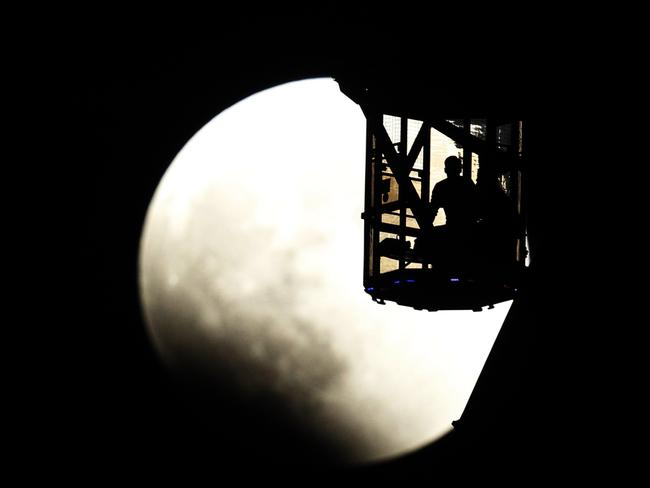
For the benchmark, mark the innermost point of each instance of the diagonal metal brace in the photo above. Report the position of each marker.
(401, 165)
(500, 159)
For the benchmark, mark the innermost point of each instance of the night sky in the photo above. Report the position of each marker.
(541, 410)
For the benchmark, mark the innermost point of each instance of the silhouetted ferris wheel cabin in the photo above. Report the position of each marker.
(443, 231)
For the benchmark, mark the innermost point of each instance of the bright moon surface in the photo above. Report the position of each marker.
(251, 259)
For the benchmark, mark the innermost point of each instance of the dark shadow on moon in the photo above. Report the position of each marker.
(258, 430)
(251, 367)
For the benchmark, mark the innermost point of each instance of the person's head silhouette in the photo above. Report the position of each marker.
(453, 166)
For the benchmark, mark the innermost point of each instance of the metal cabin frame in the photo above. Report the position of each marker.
(398, 187)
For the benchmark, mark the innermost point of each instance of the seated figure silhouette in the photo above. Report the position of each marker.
(451, 245)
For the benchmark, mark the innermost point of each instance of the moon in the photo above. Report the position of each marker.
(251, 282)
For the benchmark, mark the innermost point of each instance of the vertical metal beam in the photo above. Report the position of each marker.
(403, 147)
(522, 193)
(376, 203)
(486, 161)
(426, 164)
(491, 134)
(367, 208)
(426, 171)
(467, 152)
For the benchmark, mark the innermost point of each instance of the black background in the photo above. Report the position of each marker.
(98, 404)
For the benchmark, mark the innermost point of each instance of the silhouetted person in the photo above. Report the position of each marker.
(456, 195)
(451, 245)
(498, 219)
